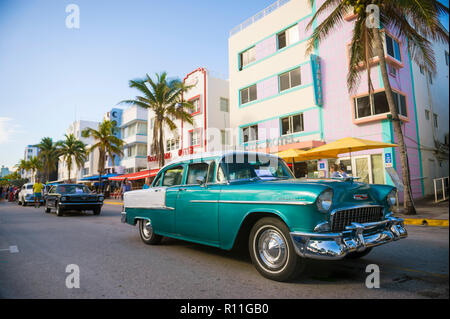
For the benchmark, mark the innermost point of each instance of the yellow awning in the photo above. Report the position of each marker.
(295, 155)
(346, 145)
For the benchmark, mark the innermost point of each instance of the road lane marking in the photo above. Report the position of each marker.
(11, 249)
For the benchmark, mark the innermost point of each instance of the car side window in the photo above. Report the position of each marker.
(173, 176)
(195, 171)
(211, 171)
(220, 175)
(157, 182)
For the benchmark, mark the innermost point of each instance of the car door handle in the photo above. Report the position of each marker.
(182, 189)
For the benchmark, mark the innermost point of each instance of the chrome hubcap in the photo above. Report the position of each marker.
(272, 249)
(147, 229)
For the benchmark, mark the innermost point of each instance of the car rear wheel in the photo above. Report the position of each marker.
(59, 210)
(147, 234)
(272, 251)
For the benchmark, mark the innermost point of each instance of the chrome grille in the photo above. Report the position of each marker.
(346, 217)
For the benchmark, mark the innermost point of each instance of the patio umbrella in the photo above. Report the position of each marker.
(290, 154)
(347, 145)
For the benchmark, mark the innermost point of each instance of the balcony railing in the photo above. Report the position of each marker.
(258, 16)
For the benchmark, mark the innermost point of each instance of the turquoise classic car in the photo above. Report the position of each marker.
(224, 199)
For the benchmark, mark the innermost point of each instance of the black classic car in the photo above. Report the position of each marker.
(66, 197)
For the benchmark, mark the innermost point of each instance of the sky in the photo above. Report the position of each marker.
(51, 75)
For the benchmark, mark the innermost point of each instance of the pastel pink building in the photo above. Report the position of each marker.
(281, 98)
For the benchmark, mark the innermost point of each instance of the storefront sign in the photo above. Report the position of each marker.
(186, 151)
(317, 79)
(278, 141)
(154, 158)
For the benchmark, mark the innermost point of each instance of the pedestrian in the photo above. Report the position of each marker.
(334, 171)
(146, 184)
(1, 192)
(126, 186)
(37, 190)
(342, 171)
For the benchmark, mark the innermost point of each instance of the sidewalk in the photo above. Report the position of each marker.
(429, 213)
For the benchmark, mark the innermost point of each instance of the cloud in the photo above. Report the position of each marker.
(8, 129)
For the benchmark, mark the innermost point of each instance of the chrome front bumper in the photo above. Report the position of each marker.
(356, 237)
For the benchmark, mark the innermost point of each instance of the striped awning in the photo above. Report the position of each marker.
(136, 176)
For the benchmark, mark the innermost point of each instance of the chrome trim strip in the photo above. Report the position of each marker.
(86, 203)
(252, 202)
(153, 207)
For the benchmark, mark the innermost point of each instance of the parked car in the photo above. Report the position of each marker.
(26, 195)
(65, 197)
(223, 199)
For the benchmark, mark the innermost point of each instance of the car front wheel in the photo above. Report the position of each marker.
(59, 211)
(47, 209)
(97, 210)
(272, 251)
(147, 234)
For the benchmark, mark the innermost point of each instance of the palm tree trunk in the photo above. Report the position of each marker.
(161, 145)
(408, 203)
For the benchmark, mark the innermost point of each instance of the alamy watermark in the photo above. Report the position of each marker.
(73, 279)
(373, 279)
(73, 17)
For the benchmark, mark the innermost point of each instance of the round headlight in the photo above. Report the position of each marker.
(101, 198)
(64, 198)
(392, 198)
(324, 201)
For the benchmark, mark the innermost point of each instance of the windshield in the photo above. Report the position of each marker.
(72, 189)
(255, 166)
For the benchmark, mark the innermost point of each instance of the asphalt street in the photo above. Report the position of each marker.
(36, 248)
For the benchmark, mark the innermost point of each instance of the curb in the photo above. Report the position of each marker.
(426, 222)
(112, 203)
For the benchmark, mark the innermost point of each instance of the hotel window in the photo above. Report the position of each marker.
(430, 77)
(392, 71)
(194, 137)
(247, 57)
(173, 144)
(248, 94)
(427, 115)
(196, 103)
(288, 37)
(223, 104)
(290, 79)
(446, 58)
(435, 119)
(393, 48)
(364, 108)
(292, 124)
(421, 70)
(250, 133)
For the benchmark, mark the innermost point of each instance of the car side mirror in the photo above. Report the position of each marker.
(201, 180)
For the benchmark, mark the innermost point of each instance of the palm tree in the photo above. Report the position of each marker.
(72, 150)
(48, 153)
(23, 165)
(415, 21)
(35, 166)
(106, 142)
(165, 98)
